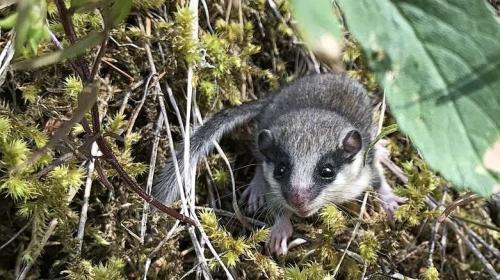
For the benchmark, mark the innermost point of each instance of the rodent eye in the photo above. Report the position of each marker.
(280, 170)
(327, 172)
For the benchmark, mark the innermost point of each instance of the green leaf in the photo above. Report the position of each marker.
(9, 21)
(72, 51)
(116, 12)
(440, 64)
(30, 25)
(318, 25)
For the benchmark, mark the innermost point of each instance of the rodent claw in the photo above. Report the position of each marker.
(278, 241)
(254, 199)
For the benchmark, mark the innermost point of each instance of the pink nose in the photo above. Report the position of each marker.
(299, 198)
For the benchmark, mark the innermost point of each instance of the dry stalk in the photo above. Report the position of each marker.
(86, 196)
(149, 182)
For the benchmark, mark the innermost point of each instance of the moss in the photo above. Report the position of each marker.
(369, 247)
(238, 61)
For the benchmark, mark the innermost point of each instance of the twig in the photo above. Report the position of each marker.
(55, 163)
(444, 243)
(207, 15)
(124, 102)
(354, 233)
(465, 199)
(71, 34)
(118, 69)
(97, 61)
(58, 45)
(190, 186)
(467, 220)
(396, 170)
(151, 173)
(476, 236)
(48, 233)
(138, 108)
(102, 176)
(228, 9)
(489, 268)
(86, 196)
(232, 215)
(435, 230)
(15, 235)
(174, 104)
(113, 161)
(202, 262)
(175, 228)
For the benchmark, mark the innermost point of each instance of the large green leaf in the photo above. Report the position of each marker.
(439, 62)
(318, 26)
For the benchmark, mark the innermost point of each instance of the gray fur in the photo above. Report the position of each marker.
(307, 118)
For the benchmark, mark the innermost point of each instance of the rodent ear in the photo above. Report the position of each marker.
(265, 140)
(352, 143)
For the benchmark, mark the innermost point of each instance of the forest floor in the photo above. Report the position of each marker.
(68, 216)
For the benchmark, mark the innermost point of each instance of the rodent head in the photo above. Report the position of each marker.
(310, 163)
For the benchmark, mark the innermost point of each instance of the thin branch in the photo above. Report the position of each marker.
(354, 233)
(97, 61)
(113, 161)
(480, 224)
(465, 199)
(151, 173)
(476, 236)
(175, 228)
(489, 268)
(435, 230)
(138, 108)
(55, 163)
(48, 233)
(86, 196)
(69, 30)
(15, 235)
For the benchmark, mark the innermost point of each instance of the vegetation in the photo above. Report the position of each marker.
(86, 89)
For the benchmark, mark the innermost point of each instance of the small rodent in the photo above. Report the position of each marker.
(311, 146)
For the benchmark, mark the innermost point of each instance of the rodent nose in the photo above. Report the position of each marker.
(299, 198)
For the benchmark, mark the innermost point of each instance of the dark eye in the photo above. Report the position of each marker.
(327, 172)
(280, 170)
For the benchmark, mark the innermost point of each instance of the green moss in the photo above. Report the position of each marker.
(431, 273)
(422, 182)
(369, 247)
(73, 86)
(14, 152)
(182, 40)
(85, 270)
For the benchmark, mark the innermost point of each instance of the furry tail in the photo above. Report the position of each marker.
(165, 186)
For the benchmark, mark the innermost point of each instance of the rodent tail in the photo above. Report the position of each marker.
(165, 186)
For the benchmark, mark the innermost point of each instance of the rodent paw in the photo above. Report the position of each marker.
(278, 240)
(390, 202)
(254, 198)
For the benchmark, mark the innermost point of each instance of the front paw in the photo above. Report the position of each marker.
(278, 240)
(254, 198)
(390, 202)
